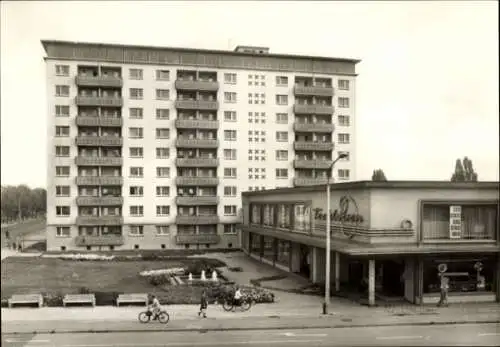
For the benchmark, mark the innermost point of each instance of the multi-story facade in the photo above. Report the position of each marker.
(150, 148)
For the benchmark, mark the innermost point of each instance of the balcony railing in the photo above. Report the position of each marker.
(312, 164)
(196, 181)
(99, 221)
(313, 90)
(197, 200)
(312, 146)
(99, 81)
(99, 181)
(99, 121)
(106, 141)
(197, 220)
(99, 201)
(197, 162)
(309, 181)
(197, 239)
(109, 101)
(208, 86)
(197, 105)
(313, 109)
(98, 161)
(196, 124)
(103, 240)
(314, 127)
(196, 143)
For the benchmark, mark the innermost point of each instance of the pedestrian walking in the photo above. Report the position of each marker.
(203, 304)
(445, 285)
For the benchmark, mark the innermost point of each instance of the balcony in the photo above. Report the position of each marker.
(197, 220)
(106, 141)
(314, 91)
(197, 162)
(196, 143)
(196, 124)
(312, 146)
(99, 201)
(99, 220)
(312, 164)
(98, 81)
(103, 240)
(309, 181)
(99, 181)
(197, 105)
(206, 86)
(99, 161)
(197, 200)
(109, 101)
(313, 127)
(99, 121)
(197, 181)
(313, 109)
(197, 239)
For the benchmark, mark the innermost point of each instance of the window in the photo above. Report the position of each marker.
(162, 133)
(136, 191)
(256, 98)
(347, 158)
(136, 230)
(62, 151)
(162, 211)
(282, 118)
(137, 211)
(63, 232)
(253, 117)
(344, 138)
(229, 172)
(344, 121)
(162, 229)
(163, 172)
(162, 191)
(63, 211)
(135, 133)
(281, 155)
(230, 135)
(162, 75)
(281, 81)
(62, 191)
(62, 91)
(135, 74)
(344, 84)
(230, 116)
(343, 174)
(229, 97)
(62, 131)
(344, 102)
(136, 152)
(62, 111)
(136, 93)
(62, 70)
(162, 153)
(162, 113)
(162, 94)
(281, 173)
(230, 210)
(136, 113)
(230, 154)
(229, 228)
(230, 191)
(136, 171)
(62, 171)
(282, 99)
(230, 78)
(282, 136)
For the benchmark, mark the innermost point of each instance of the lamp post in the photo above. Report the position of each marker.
(327, 274)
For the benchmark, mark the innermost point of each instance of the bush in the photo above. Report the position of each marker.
(236, 269)
(258, 295)
(53, 299)
(159, 280)
(106, 298)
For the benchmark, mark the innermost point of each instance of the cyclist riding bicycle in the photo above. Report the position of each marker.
(237, 298)
(155, 306)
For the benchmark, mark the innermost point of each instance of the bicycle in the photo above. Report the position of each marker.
(245, 304)
(162, 316)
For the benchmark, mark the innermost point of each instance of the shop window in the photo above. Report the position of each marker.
(256, 214)
(302, 218)
(283, 256)
(268, 248)
(284, 216)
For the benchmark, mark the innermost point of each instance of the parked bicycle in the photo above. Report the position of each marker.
(148, 315)
(244, 305)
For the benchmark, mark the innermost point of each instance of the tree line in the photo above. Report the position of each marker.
(22, 202)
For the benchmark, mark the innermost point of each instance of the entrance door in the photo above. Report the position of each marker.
(392, 282)
(305, 267)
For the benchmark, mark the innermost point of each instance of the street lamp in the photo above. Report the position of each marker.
(327, 275)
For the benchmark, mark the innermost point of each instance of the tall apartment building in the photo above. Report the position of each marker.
(150, 148)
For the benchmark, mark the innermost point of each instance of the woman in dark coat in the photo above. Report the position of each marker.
(203, 304)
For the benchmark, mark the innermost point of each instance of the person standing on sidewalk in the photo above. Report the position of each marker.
(203, 304)
(443, 299)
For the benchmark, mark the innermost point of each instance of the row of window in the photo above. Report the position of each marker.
(138, 211)
(135, 191)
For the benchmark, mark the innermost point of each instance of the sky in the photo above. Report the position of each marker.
(427, 90)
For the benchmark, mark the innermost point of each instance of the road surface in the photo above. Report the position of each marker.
(431, 335)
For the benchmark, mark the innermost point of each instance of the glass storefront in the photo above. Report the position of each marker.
(302, 218)
(269, 252)
(255, 214)
(255, 245)
(284, 216)
(284, 248)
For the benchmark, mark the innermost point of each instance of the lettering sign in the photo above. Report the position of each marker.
(347, 212)
(455, 230)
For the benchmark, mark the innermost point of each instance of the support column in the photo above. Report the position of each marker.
(498, 277)
(314, 262)
(371, 282)
(337, 272)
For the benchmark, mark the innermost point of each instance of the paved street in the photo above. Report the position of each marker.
(470, 334)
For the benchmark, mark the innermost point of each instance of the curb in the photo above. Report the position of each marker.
(291, 327)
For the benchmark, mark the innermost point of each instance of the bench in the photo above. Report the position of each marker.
(79, 299)
(26, 299)
(132, 299)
